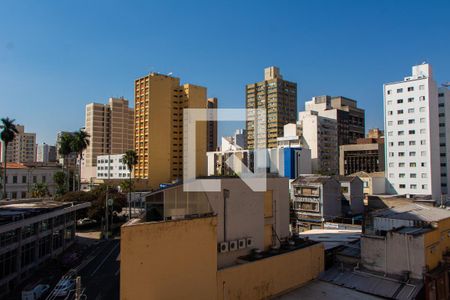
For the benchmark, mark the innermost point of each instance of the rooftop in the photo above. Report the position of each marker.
(414, 212)
(312, 179)
(365, 174)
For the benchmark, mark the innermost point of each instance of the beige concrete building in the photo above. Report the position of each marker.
(232, 244)
(374, 183)
(279, 98)
(212, 127)
(22, 149)
(367, 155)
(159, 104)
(110, 127)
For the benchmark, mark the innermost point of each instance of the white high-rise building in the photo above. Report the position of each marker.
(412, 134)
(444, 136)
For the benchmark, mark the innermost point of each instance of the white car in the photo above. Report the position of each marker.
(64, 287)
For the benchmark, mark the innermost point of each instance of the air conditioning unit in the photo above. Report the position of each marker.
(249, 242)
(233, 245)
(242, 243)
(222, 247)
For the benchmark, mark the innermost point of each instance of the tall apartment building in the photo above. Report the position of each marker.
(22, 149)
(212, 127)
(444, 136)
(279, 98)
(46, 153)
(319, 134)
(110, 127)
(350, 119)
(412, 139)
(159, 104)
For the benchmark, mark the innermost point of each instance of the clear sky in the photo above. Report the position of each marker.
(57, 56)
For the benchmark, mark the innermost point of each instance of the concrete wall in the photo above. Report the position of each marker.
(394, 254)
(357, 196)
(271, 276)
(169, 260)
(331, 198)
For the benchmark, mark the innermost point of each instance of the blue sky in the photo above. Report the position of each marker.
(57, 56)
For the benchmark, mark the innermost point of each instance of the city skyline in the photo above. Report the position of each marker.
(74, 61)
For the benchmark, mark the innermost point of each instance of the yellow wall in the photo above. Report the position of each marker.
(169, 260)
(436, 243)
(271, 276)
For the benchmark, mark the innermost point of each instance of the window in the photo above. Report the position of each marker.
(410, 100)
(401, 175)
(423, 153)
(14, 179)
(44, 179)
(401, 132)
(413, 186)
(390, 113)
(441, 124)
(441, 105)
(390, 133)
(421, 87)
(391, 175)
(422, 109)
(401, 154)
(400, 122)
(422, 120)
(399, 90)
(412, 165)
(391, 165)
(422, 98)
(423, 142)
(411, 132)
(389, 123)
(412, 153)
(423, 164)
(423, 131)
(401, 165)
(389, 102)
(410, 88)
(399, 101)
(411, 121)
(424, 186)
(24, 179)
(410, 110)
(412, 175)
(400, 111)
(401, 143)
(391, 144)
(391, 154)
(402, 186)
(423, 175)
(412, 143)
(34, 179)
(389, 92)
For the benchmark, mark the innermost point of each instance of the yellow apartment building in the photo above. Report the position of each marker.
(159, 104)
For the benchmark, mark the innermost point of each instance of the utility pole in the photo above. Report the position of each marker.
(107, 196)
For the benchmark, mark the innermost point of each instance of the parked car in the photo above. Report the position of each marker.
(35, 293)
(63, 287)
(86, 222)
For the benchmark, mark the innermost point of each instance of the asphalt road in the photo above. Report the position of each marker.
(100, 277)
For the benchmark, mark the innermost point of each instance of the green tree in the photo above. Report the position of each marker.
(60, 179)
(79, 143)
(7, 135)
(65, 150)
(39, 190)
(130, 159)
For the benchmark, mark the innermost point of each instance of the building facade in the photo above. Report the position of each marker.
(278, 97)
(238, 141)
(22, 149)
(117, 169)
(212, 127)
(159, 104)
(110, 127)
(21, 178)
(319, 134)
(33, 232)
(366, 155)
(46, 153)
(444, 136)
(412, 134)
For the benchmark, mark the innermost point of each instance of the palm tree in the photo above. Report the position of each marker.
(65, 149)
(79, 143)
(7, 135)
(130, 159)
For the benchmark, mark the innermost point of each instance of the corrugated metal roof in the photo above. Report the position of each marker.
(312, 179)
(415, 212)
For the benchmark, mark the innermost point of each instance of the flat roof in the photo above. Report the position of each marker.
(332, 238)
